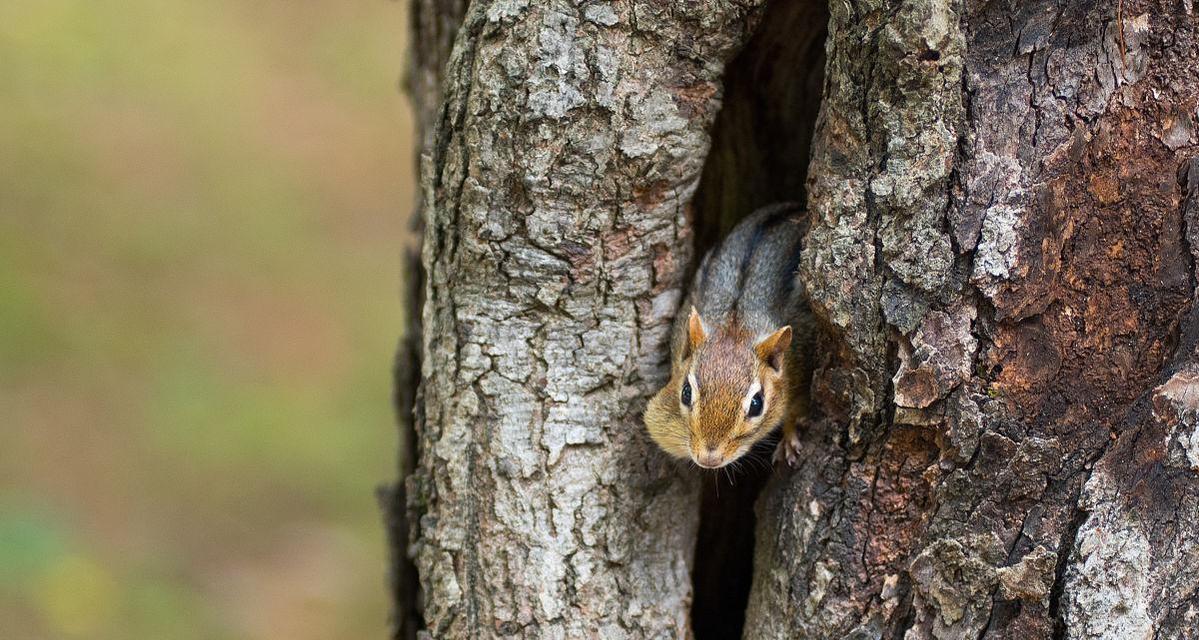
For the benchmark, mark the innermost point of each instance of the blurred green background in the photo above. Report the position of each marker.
(201, 209)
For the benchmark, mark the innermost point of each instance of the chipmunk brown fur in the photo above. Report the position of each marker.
(741, 349)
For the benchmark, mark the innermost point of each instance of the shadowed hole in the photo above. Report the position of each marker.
(760, 148)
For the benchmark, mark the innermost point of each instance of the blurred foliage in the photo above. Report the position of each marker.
(201, 205)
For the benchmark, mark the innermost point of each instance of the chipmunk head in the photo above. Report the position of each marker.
(726, 393)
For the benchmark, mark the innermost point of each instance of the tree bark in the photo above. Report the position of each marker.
(1001, 257)
(566, 150)
(433, 24)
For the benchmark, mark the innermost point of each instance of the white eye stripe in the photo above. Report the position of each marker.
(689, 397)
(749, 397)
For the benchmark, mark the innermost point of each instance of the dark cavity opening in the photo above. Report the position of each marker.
(760, 147)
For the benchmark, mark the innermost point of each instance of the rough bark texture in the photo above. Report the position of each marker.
(568, 145)
(1003, 199)
(433, 25)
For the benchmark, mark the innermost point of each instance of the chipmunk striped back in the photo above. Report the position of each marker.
(741, 345)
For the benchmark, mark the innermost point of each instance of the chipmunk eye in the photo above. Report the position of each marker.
(686, 396)
(755, 405)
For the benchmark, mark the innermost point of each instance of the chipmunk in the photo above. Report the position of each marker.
(740, 360)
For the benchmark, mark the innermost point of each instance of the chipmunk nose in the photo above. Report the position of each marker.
(709, 459)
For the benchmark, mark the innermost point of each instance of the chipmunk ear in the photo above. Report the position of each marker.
(695, 331)
(773, 347)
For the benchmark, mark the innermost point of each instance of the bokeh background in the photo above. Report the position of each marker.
(201, 210)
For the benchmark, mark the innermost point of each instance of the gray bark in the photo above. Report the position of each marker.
(1005, 210)
(568, 144)
(433, 25)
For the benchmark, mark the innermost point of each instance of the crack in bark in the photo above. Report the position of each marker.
(1069, 537)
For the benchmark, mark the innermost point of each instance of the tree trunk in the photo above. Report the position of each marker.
(433, 26)
(1000, 255)
(568, 145)
(1005, 206)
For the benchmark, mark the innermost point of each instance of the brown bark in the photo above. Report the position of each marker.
(999, 254)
